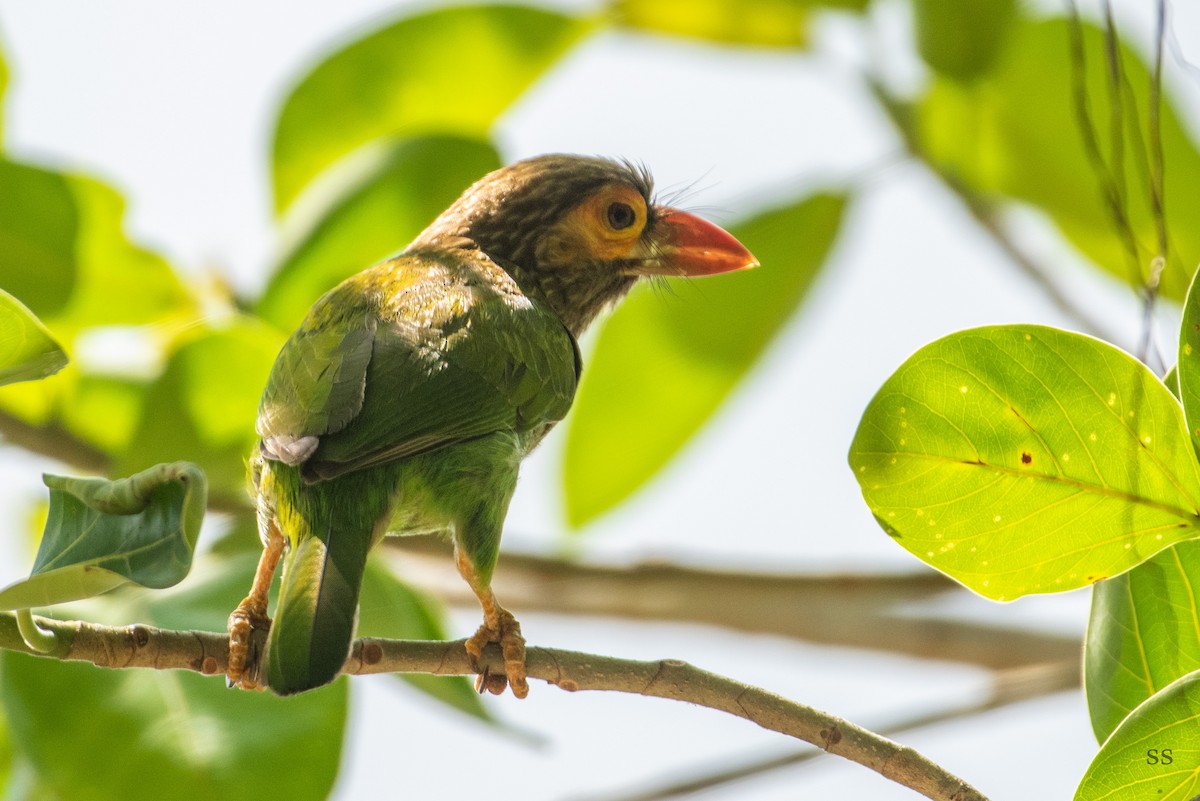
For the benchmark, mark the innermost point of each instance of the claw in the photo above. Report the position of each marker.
(248, 628)
(506, 632)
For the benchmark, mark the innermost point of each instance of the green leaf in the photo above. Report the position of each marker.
(96, 735)
(681, 353)
(414, 181)
(204, 404)
(100, 534)
(451, 71)
(1188, 365)
(1154, 753)
(962, 40)
(38, 226)
(1144, 634)
(119, 282)
(27, 349)
(760, 23)
(388, 608)
(1014, 134)
(195, 738)
(1023, 459)
(3, 88)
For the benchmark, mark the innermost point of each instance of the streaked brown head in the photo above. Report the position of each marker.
(577, 232)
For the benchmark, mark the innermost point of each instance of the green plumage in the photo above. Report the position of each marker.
(411, 392)
(404, 402)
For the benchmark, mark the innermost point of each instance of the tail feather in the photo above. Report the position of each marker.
(318, 602)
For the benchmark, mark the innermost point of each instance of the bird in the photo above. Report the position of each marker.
(410, 393)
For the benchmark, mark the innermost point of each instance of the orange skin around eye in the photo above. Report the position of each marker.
(587, 231)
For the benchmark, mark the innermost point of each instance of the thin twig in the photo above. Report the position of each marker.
(984, 213)
(206, 652)
(1154, 130)
(1109, 186)
(1010, 687)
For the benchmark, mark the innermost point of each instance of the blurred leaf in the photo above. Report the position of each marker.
(1132, 766)
(759, 23)
(119, 282)
(416, 180)
(681, 356)
(103, 410)
(962, 40)
(100, 278)
(1187, 368)
(204, 405)
(100, 534)
(451, 71)
(1015, 133)
(38, 226)
(27, 349)
(1144, 634)
(3, 89)
(194, 737)
(1023, 459)
(96, 735)
(388, 608)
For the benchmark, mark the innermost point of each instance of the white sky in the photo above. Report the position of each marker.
(173, 103)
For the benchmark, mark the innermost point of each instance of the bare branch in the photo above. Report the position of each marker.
(1012, 686)
(847, 610)
(53, 441)
(206, 652)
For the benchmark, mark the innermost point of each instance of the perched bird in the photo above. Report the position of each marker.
(411, 392)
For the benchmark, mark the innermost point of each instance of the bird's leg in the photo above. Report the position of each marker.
(249, 624)
(499, 626)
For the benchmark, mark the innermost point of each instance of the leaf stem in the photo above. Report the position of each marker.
(40, 640)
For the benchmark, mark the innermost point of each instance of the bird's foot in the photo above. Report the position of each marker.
(248, 629)
(506, 632)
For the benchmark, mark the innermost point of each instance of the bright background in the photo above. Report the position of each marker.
(173, 103)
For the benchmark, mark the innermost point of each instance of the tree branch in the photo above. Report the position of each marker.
(1009, 687)
(207, 652)
(857, 611)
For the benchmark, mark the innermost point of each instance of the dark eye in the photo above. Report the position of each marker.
(621, 216)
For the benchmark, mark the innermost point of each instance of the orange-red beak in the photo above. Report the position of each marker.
(689, 245)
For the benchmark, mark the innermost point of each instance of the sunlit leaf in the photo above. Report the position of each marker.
(962, 40)
(391, 609)
(3, 88)
(412, 184)
(204, 405)
(760, 23)
(38, 225)
(1187, 367)
(451, 70)
(101, 534)
(1144, 634)
(1015, 133)
(680, 353)
(1024, 459)
(1144, 631)
(1154, 753)
(27, 350)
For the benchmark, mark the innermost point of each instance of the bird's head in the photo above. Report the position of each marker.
(577, 232)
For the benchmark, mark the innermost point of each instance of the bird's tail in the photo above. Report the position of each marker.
(330, 535)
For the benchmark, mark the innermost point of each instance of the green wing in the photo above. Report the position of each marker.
(410, 356)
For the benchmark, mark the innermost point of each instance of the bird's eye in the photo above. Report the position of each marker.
(621, 216)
